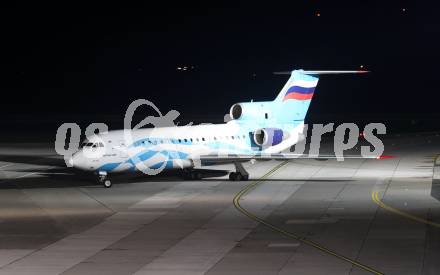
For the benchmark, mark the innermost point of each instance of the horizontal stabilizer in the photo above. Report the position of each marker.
(322, 72)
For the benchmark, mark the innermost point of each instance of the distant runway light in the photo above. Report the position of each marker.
(403, 9)
(318, 14)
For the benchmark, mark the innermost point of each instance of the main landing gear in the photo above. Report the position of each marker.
(191, 175)
(103, 179)
(240, 174)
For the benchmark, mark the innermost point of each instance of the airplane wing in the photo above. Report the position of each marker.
(218, 159)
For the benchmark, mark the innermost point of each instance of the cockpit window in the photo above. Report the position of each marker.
(90, 144)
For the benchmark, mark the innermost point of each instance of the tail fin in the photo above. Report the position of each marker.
(297, 93)
(300, 86)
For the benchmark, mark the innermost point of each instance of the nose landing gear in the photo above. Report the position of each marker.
(104, 180)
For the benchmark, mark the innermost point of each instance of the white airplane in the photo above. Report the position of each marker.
(258, 130)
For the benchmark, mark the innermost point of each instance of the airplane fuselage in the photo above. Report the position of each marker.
(171, 147)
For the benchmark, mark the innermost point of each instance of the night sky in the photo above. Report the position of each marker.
(81, 59)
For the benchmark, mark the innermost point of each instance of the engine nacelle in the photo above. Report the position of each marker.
(269, 136)
(252, 110)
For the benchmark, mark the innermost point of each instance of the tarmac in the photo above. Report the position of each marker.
(305, 216)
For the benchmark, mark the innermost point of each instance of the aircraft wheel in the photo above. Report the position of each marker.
(191, 175)
(197, 175)
(186, 175)
(107, 183)
(194, 175)
(232, 176)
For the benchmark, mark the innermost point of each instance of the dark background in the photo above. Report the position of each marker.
(87, 62)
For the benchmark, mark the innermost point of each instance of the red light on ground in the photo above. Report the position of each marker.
(361, 134)
(385, 157)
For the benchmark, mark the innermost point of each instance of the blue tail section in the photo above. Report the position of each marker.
(294, 99)
(290, 106)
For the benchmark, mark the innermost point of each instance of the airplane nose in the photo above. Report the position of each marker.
(70, 161)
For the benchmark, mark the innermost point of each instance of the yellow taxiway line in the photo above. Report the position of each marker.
(288, 234)
(378, 201)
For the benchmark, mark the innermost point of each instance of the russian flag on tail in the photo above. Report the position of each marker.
(300, 90)
(299, 93)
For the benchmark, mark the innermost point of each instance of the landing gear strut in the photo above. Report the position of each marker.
(191, 175)
(104, 180)
(240, 174)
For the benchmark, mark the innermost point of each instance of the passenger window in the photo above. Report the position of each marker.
(232, 137)
(203, 138)
(186, 140)
(180, 141)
